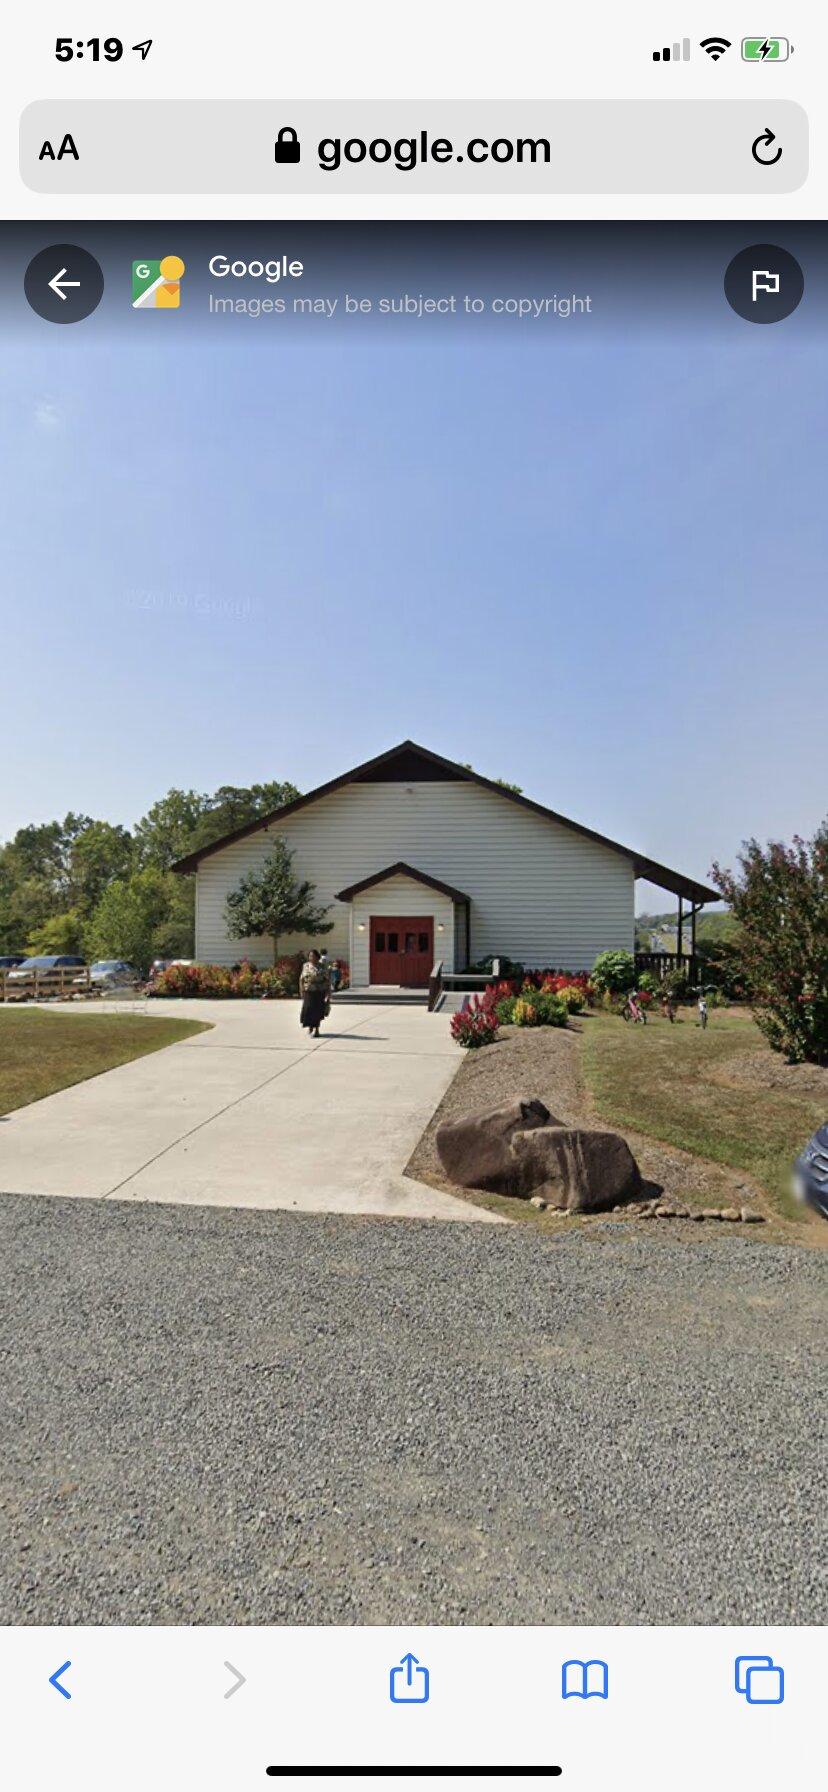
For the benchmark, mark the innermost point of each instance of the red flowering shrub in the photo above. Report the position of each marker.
(475, 1025)
(244, 980)
(574, 987)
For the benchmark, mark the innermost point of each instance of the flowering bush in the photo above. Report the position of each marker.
(779, 897)
(525, 1012)
(538, 1008)
(475, 1025)
(244, 980)
(572, 997)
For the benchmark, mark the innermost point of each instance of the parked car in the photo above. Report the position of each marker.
(26, 972)
(163, 964)
(111, 973)
(9, 960)
(810, 1177)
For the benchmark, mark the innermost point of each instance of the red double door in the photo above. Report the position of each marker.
(402, 950)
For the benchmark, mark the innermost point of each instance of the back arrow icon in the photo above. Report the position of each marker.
(239, 1679)
(55, 1678)
(58, 282)
(768, 137)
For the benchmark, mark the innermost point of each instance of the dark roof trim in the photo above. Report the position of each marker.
(655, 873)
(402, 870)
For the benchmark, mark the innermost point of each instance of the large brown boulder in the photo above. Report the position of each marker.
(573, 1168)
(476, 1152)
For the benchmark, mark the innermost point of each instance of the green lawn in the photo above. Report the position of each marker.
(671, 1083)
(42, 1052)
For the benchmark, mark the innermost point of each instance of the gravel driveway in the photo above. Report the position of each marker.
(243, 1417)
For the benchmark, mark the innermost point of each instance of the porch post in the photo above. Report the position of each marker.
(680, 941)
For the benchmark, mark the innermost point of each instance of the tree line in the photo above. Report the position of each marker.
(107, 891)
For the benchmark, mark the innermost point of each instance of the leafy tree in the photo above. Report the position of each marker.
(230, 807)
(272, 901)
(167, 831)
(130, 916)
(24, 906)
(100, 852)
(183, 821)
(780, 900)
(61, 933)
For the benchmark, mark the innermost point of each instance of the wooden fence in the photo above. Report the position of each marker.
(60, 984)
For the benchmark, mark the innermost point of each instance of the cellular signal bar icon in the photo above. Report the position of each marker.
(676, 53)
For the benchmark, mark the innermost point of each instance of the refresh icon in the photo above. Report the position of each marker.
(761, 147)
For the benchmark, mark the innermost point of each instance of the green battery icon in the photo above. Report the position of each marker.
(765, 49)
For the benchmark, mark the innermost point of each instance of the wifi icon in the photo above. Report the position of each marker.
(715, 46)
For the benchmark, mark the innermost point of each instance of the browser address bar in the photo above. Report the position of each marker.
(423, 146)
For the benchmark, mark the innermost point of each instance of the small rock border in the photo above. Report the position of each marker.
(666, 1210)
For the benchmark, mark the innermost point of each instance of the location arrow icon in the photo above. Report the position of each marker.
(238, 1679)
(55, 1679)
(144, 48)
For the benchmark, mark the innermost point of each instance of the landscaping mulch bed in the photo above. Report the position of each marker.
(544, 1062)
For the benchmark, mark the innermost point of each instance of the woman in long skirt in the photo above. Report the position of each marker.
(315, 990)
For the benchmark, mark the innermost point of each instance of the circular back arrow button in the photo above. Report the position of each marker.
(762, 144)
(64, 284)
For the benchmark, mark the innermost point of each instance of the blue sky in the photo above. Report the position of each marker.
(599, 573)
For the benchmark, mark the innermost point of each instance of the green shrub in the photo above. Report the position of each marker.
(613, 971)
(505, 1010)
(648, 981)
(676, 985)
(534, 1008)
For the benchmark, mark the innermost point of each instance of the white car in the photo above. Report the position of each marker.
(111, 973)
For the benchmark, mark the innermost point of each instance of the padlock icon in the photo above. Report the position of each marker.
(287, 147)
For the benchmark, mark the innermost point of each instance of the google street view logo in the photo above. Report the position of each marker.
(156, 285)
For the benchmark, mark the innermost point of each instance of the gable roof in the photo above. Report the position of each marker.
(410, 762)
(402, 870)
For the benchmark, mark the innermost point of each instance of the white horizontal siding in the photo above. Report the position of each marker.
(400, 896)
(539, 891)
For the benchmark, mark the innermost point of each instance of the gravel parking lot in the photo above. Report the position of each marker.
(216, 1416)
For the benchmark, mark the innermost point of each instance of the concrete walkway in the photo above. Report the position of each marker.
(251, 1114)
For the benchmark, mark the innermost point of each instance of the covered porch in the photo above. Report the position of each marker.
(402, 922)
(692, 898)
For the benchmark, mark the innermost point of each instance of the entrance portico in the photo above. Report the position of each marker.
(402, 921)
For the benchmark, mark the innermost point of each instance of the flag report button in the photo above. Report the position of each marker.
(64, 284)
(764, 284)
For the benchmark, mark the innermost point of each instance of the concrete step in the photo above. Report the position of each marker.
(412, 998)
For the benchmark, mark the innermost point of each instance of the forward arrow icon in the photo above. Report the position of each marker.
(238, 1680)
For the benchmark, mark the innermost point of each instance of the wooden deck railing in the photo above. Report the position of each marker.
(663, 964)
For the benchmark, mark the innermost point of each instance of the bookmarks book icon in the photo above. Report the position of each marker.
(156, 285)
(584, 1680)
